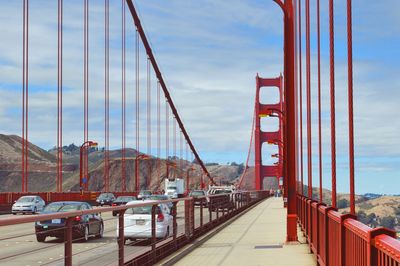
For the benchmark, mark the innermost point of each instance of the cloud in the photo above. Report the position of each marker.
(209, 53)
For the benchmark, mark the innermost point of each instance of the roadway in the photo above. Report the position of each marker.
(18, 245)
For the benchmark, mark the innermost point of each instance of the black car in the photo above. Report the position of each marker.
(105, 199)
(121, 200)
(83, 226)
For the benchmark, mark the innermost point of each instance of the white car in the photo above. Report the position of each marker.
(25, 204)
(137, 221)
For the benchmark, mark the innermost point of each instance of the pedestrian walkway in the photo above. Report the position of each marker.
(256, 238)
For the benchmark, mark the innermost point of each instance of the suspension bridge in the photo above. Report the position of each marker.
(253, 224)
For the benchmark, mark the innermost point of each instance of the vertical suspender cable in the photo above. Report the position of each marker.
(137, 184)
(301, 104)
(25, 86)
(123, 151)
(158, 133)
(86, 86)
(174, 124)
(27, 99)
(106, 94)
(166, 138)
(148, 122)
(319, 101)
(332, 98)
(308, 77)
(350, 99)
(180, 150)
(59, 95)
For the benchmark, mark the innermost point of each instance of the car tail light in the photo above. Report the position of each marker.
(160, 217)
(114, 204)
(77, 219)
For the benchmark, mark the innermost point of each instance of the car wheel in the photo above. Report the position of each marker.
(114, 214)
(14, 213)
(101, 231)
(86, 234)
(40, 238)
(34, 210)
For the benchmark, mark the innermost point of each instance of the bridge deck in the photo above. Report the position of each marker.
(264, 225)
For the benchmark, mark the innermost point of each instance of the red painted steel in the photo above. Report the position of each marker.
(25, 98)
(342, 240)
(164, 86)
(308, 81)
(261, 137)
(59, 96)
(85, 160)
(106, 95)
(332, 98)
(319, 101)
(123, 94)
(300, 98)
(158, 249)
(350, 103)
(290, 118)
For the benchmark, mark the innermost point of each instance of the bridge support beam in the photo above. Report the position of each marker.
(290, 107)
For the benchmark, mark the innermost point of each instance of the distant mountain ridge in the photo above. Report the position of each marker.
(43, 167)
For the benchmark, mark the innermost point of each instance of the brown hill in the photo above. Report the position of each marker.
(42, 168)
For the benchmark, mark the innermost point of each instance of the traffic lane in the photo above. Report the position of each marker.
(52, 251)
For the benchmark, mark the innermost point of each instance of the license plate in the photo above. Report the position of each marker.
(140, 222)
(56, 221)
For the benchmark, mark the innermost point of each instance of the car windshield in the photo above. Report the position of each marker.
(61, 207)
(142, 210)
(146, 192)
(125, 198)
(26, 199)
(197, 193)
(158, 197)
(104, 196)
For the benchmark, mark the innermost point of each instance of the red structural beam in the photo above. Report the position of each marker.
(350, 99)
(332, 98)
(164, 86)
(308, 80)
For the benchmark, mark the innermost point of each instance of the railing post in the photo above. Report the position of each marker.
(201, 213)
(153, 231)
(121, 238)
(174, 223)
(327, 239)
(189, 218)
(343, 237)
(210, 206)
(68, 242)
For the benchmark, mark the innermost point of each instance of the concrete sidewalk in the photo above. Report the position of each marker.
(256, 238)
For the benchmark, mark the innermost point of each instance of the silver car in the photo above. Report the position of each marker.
(25, 204)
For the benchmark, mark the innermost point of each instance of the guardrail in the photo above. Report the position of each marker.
(196, 221)
(339, 239)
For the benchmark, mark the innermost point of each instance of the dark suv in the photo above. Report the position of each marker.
(105, 199)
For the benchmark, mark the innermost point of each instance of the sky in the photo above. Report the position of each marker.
(209, 53)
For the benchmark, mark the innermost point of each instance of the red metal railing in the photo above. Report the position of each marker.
(339, 239)
(188, 223)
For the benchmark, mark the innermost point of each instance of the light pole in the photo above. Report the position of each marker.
(84, 181)
(188, 178)
(137, 181)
